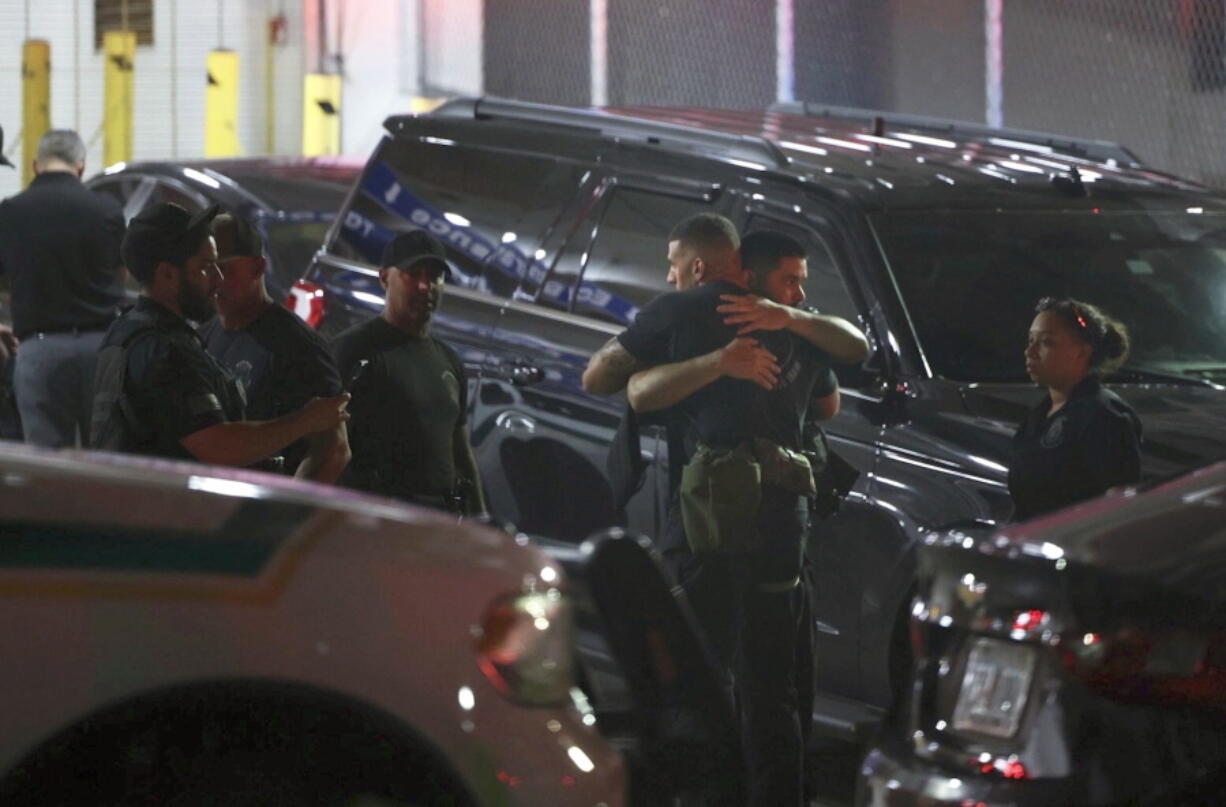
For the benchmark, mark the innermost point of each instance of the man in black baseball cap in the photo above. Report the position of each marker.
(156, 390)
(408, 249)
(280, 361)
(163, 241)
(409, 433)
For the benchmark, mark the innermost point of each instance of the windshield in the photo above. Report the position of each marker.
(970, 281)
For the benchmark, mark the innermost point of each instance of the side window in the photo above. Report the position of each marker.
(489, 209)
(825, 290)
(173, 192)
(620, 264)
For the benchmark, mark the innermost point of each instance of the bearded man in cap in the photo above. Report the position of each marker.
(409, 435)
(280, 361)
(157, 390)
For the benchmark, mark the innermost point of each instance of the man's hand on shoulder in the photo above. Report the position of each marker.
(753, 313)
(744, 358)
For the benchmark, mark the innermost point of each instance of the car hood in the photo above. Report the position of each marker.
(1184, 425)
(1156, 558)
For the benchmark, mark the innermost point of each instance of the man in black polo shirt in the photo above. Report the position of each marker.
(409, 433)
(157, 391)
(725, 391)
(279, 360)
(59, 245)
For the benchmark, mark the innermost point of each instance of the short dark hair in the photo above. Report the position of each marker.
(1107, 337)
(706, 231)
(762, 251)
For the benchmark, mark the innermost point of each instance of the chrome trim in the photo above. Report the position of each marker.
(888, 453)
(906, 312)
(848, 392)
(343, 263)
(564, 317)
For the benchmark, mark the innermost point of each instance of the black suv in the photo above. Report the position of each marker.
(936, 237)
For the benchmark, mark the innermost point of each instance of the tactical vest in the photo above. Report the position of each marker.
(114, 423)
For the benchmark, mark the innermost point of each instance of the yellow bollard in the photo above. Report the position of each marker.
(321, 115)
(35, 101)
(221, 105)
(119, 49)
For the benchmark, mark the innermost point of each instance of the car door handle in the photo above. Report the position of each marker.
(515, 422)
(523, 375)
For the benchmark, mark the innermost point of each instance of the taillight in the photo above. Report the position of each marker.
(306, 299)
(526, 647)
(1151, 666)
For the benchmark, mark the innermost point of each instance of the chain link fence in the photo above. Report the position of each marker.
(1150, 74)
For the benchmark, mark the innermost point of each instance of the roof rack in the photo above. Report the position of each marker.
(745, 148)
(1099, 150)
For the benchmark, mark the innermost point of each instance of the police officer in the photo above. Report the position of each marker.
(409, 434)
(731, 392)
(1081, 439)
(157, 391)
(281, 362)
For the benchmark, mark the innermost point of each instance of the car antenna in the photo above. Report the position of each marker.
(1070, 183)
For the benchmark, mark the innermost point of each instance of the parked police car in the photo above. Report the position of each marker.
(936, 237)
(176, 634)
(1076, 659)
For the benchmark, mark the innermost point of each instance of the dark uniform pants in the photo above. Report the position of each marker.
(763, 637)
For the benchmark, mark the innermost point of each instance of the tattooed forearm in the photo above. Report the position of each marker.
(609, 369)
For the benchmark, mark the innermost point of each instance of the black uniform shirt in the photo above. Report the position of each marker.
(281, 363)
(59, 245)
(175, 386)
(682, 325)
(407, 405)
(1093, 443)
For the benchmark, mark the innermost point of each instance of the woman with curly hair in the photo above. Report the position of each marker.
(1081, 439)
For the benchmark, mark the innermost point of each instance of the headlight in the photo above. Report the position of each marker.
(526, 647)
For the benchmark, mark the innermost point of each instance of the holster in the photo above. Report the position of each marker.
(784, 468)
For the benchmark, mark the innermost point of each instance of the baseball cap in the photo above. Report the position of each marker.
(410, 248)
(165, 232)
(3, 160)
(236, 236)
